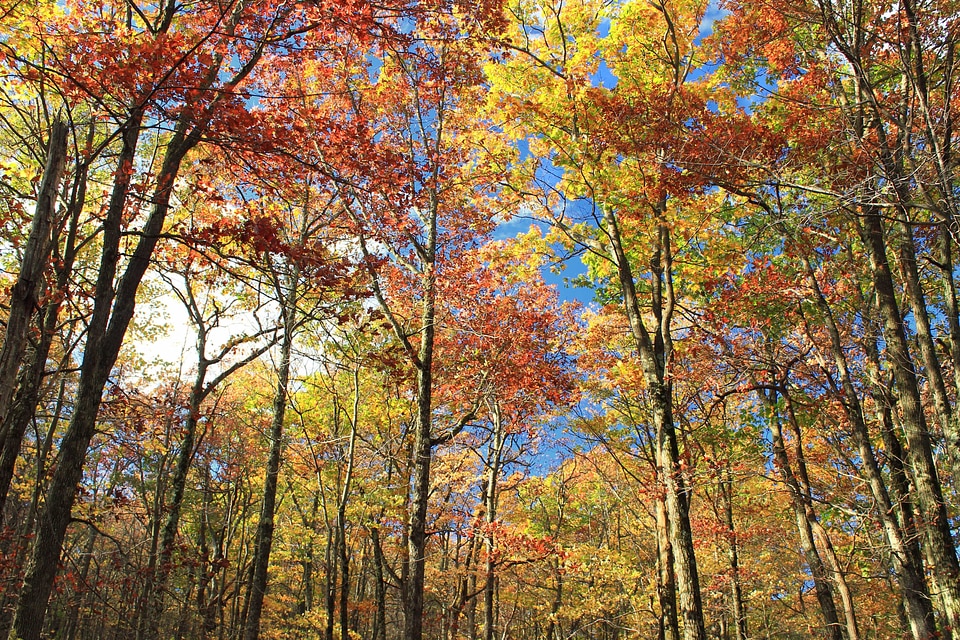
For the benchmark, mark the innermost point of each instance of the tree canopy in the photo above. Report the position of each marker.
(291, 350)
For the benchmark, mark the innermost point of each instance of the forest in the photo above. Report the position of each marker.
(453, 320)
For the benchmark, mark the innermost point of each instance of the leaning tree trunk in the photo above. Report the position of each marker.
(818, 530)
(114, 302)
(821, 581)
(909, 574)
(733, 555)
(25, 292)
(104, 335)
(21, 412)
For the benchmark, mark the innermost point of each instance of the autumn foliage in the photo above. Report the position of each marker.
(529, 319)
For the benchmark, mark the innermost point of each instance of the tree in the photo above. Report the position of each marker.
(209, 85)
(604, 175)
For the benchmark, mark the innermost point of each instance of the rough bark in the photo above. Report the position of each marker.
(23, 409)
(26, 290)
(666, 579)
(927, 489)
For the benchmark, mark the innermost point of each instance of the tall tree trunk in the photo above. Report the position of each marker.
(494, 461)
(909, 573)
(380, 617)
(554, 632)
(23, 410)
(25, 292)
(417, 542)
(935, 526)
(104, 335)
(819, 532)
(655, 357)
(951, 306)
(906, 253)
(733, 556)
(344, 560)
(666, 579)
(422, 439)
(821, 581)
(263, 540)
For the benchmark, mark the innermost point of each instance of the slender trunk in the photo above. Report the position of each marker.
(380, 617)
(344, 561)
(422, 445)
(204, 569)
(821, 581)
(263, 540)
(161, 560)
(655, 357)
(843, 588)
(733, 555)
(553, 628)
(413, 605)
(72, 626)
(331, 582)
(23, 409)
(819, 532)
(149, 627)
(909, 574)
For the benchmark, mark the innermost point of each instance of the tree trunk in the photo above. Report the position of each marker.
(908, 573)
(380, 617)
(104, 336)
(422, 442)
(666, 579)
(494, 462)
(344, 560)
(655, 356)
(25, 292)
(23, 410)
(733, 555)
(264, 537)
(951, 307)
(417, 542)
(935, 526)
(821, 581)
